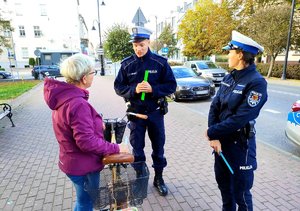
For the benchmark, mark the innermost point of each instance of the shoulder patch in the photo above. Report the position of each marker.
(254, 98)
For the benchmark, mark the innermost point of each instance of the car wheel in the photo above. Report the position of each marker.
(41, 77)
(1, 76)
(174, 97)
(36, 76)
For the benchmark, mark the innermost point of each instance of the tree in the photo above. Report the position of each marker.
(117, 45)
(4, 26)
(167, 37)
(206, 29)
(269, 27)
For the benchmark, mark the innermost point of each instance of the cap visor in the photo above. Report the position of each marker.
(226, 48)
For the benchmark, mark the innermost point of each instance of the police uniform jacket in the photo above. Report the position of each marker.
(240, 97)
(132, 72)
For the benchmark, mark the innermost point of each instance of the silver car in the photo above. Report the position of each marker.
(292, 129)
(207, 69)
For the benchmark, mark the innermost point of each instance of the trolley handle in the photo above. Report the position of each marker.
(118, 158)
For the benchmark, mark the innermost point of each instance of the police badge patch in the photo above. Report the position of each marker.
(254, 98)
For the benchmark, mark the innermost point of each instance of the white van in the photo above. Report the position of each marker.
(207, 69)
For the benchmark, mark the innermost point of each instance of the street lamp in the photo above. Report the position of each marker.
(283, 77)
(100, 51)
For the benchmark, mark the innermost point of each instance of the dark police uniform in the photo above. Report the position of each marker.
(236, 105)
(163, 83)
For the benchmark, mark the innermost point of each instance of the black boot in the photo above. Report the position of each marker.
(159, 184)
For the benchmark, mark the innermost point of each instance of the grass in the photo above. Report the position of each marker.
(11, 90)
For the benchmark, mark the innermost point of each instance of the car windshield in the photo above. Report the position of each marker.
(206, 65)
(183, 72)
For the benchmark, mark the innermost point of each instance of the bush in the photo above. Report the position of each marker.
(31, 61)
(174, 63)
(292, 70)
(1, 68)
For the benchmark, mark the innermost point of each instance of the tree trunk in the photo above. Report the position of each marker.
(271, 66)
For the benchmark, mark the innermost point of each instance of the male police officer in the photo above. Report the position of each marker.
(130, 84)
(231, 120)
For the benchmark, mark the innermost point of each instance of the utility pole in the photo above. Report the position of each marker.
(283, 77)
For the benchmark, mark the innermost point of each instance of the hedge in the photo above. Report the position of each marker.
(292, 70)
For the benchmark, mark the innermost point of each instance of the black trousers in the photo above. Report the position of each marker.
(235, 188)
(156, 131)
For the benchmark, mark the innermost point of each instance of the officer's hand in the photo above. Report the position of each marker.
(146, 87)
(138, 88)
(124, 148)
(216, 145)
(143, 87)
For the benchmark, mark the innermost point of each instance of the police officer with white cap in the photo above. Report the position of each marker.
(130, 84)
(231, 121)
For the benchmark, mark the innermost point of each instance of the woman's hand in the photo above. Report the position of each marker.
(216, 145)
(124, 148)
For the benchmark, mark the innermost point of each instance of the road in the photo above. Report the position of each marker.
(270, 124)
(272, 120)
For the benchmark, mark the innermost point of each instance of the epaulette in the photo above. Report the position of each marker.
(127, 59)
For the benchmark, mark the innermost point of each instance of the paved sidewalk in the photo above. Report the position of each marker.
(31, 180)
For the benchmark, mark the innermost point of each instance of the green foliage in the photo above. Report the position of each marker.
(117, 45)
(292, 70)
(174, 63)
(31, 61)
(4, 41)
(11, 90)
(206, 29)
(274, 20)
(168, 37)
(243, 9)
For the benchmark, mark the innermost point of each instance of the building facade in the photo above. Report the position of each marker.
(42, 25)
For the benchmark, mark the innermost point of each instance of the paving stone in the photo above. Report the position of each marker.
(31, 180)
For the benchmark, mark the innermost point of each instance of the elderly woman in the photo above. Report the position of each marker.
(78, 127)
(231, 121)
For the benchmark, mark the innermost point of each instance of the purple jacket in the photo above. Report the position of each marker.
(78, 129)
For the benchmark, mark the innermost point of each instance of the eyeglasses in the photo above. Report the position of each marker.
(92, 73)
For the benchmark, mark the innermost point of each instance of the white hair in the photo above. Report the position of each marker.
(76, 66)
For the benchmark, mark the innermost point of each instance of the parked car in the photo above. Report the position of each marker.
(42, 71)
(292, 129)
(207, 69)
(190, 86)
(4, 74)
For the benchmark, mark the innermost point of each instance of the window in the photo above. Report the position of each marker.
(37, 31)
(18, 7)
(173, 22)
(64, 56)
(7, 33)
(43, 9)
(48, 57)
(24, 53)
(22, 31)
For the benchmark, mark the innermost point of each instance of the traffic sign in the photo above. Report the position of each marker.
(165, 50)
(100, 51)
(37, 52)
